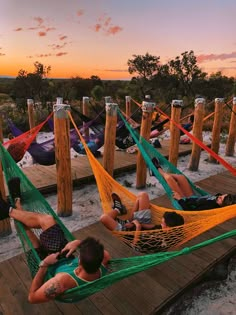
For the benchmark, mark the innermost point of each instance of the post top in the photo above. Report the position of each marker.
(234, 100)
(128, 98)
(108, 99)
(111, 109)
(59, 100)
(200, 100)
(85, 98)
(219, 100)
(148, 107)
(177, 103)
(30, 101)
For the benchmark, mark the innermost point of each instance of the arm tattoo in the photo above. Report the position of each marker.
(53, 290)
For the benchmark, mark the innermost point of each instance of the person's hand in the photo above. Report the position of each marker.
(176, 195)
(51, 259)
(71, 247)
(129, 225)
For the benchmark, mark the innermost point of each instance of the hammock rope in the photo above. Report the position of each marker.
(203, 146)
(20, 144)
(119, 268)
(196, 222)
(148, 152)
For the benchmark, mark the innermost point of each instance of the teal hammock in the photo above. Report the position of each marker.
(148, 152)
(119, 268)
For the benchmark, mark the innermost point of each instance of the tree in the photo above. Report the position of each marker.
(145, 67)
(97, 92)
(186, 70)
(32, 85)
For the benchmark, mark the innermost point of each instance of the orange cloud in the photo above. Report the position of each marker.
(39, 20)
(42, 34)
(210, 57)
(43, 55)
(62, 37)
(61, 54)
(105, 24)
(50, 29)
(113, 30)
(107, 21)
(114, 70)
(80, 12)
(56, 46)
(97, 27)
(2, 54)
(18, 29)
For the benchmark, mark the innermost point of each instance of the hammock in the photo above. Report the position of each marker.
(120, 268)
(196, 222)
(148, 152)
(42, 153)
(19, 145)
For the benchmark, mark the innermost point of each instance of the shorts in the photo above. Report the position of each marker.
(143, 216)
(53, 239)
(121, 225)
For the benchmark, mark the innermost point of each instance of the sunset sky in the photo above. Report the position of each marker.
(97, 37)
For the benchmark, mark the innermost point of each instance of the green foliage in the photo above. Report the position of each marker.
(97, 92)
(180, 78)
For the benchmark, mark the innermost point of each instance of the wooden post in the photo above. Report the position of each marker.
(146, 123)
(5, 225)
(86, 113)
(215, 143)
(197, 132)
(232, 131)
(1, 129)
(128, 106)
(63, 160)
(174, 131)
(30, 104)
(110, 137)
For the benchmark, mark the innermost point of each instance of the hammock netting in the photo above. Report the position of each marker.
(196, 222)
(148, 152)
(19, 145)
(120, 268)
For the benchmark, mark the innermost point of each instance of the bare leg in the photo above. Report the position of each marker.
(32, 219)
(178, 183)
(183, 184)
(109, 219)
(142, 202)
(33, 238)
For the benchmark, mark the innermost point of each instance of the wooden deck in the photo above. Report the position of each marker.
(44, 177)
(145, 293)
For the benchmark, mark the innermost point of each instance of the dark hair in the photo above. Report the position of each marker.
(91, 254)
(228, 200)
(173, 219)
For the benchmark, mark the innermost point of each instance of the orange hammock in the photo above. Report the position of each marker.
(196, 222)
(19, 145)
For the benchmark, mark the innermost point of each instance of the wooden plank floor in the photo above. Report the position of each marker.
(145, 293)
(44, 177)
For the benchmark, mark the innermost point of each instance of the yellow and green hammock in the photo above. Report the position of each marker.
(122, 267)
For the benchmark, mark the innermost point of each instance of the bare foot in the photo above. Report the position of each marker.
(176, 195)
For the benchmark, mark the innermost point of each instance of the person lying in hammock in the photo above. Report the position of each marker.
(140, 217)
(57, 256)
(183, 193)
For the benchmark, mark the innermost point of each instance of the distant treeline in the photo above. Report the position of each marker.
(181, 78)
